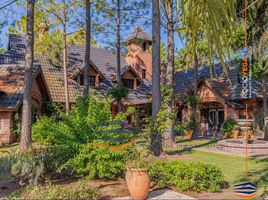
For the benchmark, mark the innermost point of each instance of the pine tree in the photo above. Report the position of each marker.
(25, 140)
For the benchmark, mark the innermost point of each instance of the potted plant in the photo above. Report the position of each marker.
(187, 130)
(236, 131)
(189, 127)
(137, 177)
(227, 128)
(251, 132)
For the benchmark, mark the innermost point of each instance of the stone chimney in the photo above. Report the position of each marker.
(42, 28)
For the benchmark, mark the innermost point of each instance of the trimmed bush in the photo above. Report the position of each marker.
(186, 176)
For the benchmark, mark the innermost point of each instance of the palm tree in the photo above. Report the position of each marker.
(155, 139)
(212, 20)
(26, 136)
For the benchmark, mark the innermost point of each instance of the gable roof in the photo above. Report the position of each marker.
(102, 59)
(227, 85)
(105, 60)
(129, 68)
(139, 34)
(11, 85)
(54, 78)
(53, 74)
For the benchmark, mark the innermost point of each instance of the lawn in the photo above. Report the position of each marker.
(233, 167)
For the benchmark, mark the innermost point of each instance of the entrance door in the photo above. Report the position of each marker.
(212, 121)
(216, 117)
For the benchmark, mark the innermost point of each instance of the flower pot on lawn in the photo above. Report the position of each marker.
(138, 183)
(189, 134)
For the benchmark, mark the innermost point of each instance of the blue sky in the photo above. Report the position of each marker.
(15, 12)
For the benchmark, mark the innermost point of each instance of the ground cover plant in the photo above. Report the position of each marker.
(79, 190)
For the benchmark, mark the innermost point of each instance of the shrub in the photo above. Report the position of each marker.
(83, 124)
(186, 176)
(228, 126)
(5, 165)
(27, 168)
(79, 190)
(98, 162)
(70, 139)
(56, 157)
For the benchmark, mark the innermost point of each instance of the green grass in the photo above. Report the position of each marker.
(201, 141)
(234, 167)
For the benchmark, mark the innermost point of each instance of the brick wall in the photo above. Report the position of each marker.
(6, 123)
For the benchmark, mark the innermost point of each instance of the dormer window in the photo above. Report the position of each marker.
(128, 83)
(144, 46)
(143, 73)
(81, 80)
(92, 81)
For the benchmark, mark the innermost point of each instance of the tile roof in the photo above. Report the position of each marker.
(105, 61)
(227, 85)
(139, 34)
(53, 74)
(11, 85)
(55, 80)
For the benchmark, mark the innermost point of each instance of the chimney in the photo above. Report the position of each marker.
(42, 28)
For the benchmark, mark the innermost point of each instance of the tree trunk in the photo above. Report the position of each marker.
(87, 48)
(169, 132)
(26, 132)
(156, 138)
(66, 92)
(118, 50)
(265, 108)
(195, 73)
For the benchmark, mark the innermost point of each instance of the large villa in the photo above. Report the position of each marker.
(220, 95)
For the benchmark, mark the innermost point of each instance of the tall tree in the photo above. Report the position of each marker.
(112, 16)
(25, 140)
(64, 21)
(168, 9)
(260, 71)
(156, 138)
(87, 47)
(118, 45)
(63, 12)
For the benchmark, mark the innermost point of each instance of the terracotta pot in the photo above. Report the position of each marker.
(189, 134)
(235, 133)
(138, 183)
(251, 135)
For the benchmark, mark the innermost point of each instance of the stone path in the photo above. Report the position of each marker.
(7, 187)
(162, 195)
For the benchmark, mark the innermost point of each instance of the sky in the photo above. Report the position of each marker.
(14, 12)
